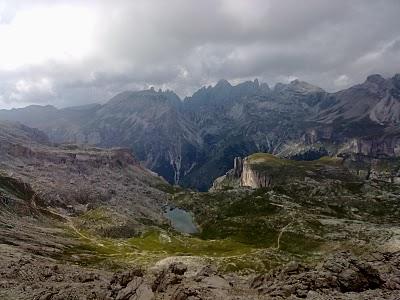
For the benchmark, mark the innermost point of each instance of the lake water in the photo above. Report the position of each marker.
(181, 220)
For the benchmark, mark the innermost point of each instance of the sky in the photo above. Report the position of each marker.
(68, 52)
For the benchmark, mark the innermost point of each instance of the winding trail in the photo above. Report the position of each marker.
(283, 230)
(281, 233)
(71, 225)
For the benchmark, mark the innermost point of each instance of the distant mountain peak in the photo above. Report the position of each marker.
(375, 78)
(265, 87)
(223, 83)
(396, 80)
(150, 94)
(256, 82)
(298, 86)
(295, 81)
(37, 107)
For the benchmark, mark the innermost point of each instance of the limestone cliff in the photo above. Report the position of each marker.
(245, 173)
(251, 177)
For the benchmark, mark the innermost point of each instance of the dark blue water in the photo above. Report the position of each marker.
(181, 220)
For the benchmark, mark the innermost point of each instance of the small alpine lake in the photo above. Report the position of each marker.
(180, 219)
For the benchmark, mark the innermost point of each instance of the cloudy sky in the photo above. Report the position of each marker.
(76, 52)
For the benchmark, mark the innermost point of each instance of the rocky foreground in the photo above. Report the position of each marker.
(341, 276)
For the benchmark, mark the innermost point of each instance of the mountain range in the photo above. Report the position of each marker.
(191, 142)
(315, 217)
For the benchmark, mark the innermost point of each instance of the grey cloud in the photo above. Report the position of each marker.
(183, 44)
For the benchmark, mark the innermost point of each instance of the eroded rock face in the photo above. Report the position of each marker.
(253, 178)
(118, 157)
(388, 146)
(237, 166)
(242, 174)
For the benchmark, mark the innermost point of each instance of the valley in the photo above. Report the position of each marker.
(318, 203)
(199, 150)
(309, 211)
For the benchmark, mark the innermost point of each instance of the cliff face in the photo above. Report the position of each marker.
(243, 174)
(375, 147)
(251, 177)
(343, 139)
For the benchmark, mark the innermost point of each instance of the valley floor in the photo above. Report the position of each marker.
(253, 244)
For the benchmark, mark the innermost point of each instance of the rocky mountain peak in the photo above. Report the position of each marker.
(265, 87)
(376, 84)
(251, 87)
(223, 83)
(297, 86)
(129, 97)
(295, 81)
(305, 87)
(396, 80)
(298, 92)
(376, 79)
(256, 82)
(223, 93)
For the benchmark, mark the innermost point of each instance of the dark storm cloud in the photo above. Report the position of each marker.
(183, 44)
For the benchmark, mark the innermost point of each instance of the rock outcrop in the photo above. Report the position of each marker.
(243, 174)
(337, 275)
(251, 177)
